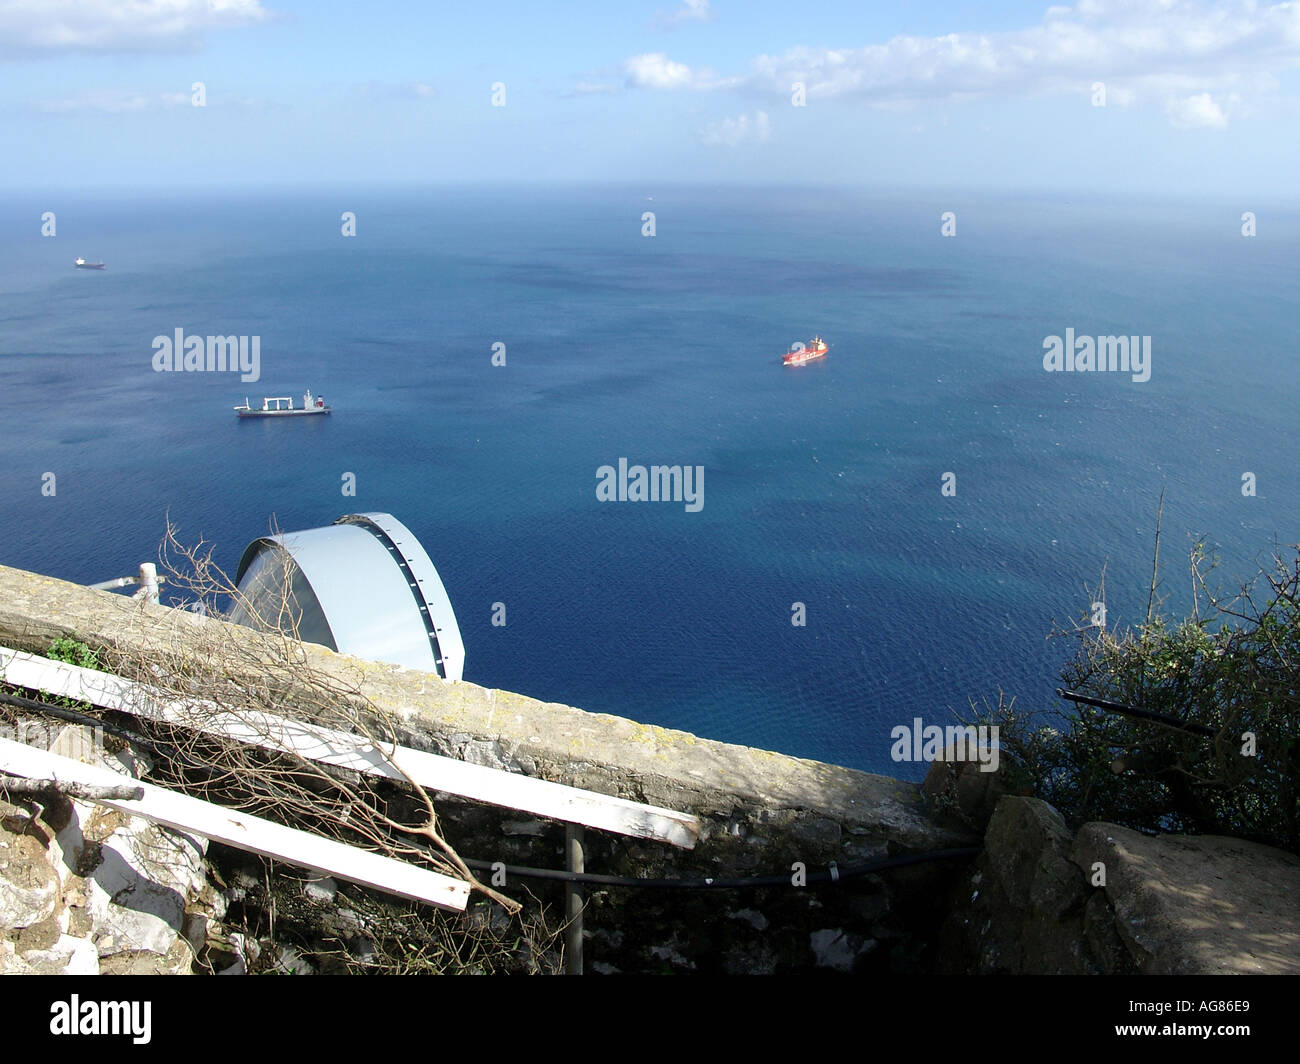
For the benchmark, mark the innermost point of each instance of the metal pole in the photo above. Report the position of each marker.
(574, 861)
(1132, 711)
(148, 582)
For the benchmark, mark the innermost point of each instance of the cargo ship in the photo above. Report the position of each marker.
(282, 406)
(82, 264)
(816, 349)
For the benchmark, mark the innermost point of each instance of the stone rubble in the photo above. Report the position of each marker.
(86, 890)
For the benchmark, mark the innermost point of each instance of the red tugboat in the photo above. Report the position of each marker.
(816, 349)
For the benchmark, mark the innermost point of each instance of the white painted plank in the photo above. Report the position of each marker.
(555, 801)
(246, 832)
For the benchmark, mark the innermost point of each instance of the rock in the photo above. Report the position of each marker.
(1103, 938)
(124, 881)
(837, 949)
(71, 853)
(487, 753)
(363, 949)
(753, 917)
(670, 953)
(79, 922)
(212, 902)
(342, 923)
(29, 887)
(1170, 904)
(320, 889)
(142, 878)
(288, 961)
(1021, 910)
(67, 956)
(1028, 845)
(608, 937)
(817, 833)
(130, 913)
(961, 792)
(40, 936)
(179, 960)
(231, 954)
(195, 930)
(1198, 904)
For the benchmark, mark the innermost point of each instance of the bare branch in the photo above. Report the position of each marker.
(20, 785)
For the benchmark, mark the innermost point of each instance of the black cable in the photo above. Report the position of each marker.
(125, 734)
(830, 875)
(1133, 711)
(73, 717)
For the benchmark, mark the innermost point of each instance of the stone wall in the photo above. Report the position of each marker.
(761, 812)
(86, 890)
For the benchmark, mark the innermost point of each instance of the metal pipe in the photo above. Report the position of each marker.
(126, 581)
(869, 868)
(148, 582)
(575, 862)
(1140, 714)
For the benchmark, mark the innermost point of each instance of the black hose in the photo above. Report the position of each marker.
(72, 716)
(125, 734)
(1133, 711)
(830, 875)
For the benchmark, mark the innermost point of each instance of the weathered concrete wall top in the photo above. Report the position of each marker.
(558, 742)
(761, 813)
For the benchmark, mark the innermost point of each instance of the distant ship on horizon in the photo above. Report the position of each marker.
(816, 348)
(82, 264)
(282, 406)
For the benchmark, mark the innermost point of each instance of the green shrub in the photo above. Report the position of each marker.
(1233, 668)
(73, 652)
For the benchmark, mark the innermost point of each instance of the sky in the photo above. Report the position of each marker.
(1147, 97)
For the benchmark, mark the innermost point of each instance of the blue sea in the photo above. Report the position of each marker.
(822, 484)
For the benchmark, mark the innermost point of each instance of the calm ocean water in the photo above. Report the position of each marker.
(821, 484)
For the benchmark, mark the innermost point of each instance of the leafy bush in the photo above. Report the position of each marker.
(1232, 668)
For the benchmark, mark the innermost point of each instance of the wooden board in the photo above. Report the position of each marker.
(246, 832)
(555, 801)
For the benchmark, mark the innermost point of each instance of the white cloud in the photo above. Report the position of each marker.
(1196, 112)
(690, 11)
(733, 132)
(44, 27)
(140, 101)
(1143, 50)
(655, 70)
(116, 101)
